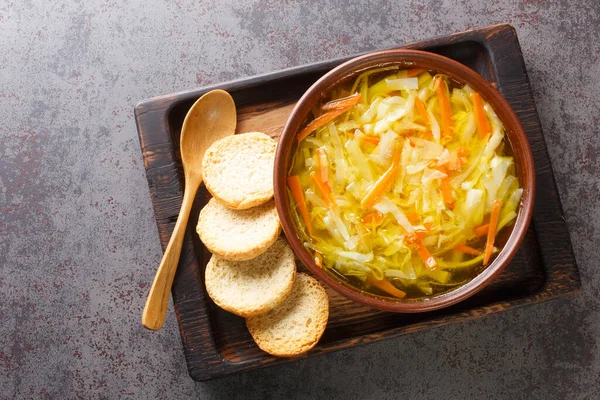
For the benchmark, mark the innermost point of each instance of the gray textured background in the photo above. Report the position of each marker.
(79, 246)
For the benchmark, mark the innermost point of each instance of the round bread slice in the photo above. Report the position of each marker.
(238, 235)
(252, 287)
(238, 169)
(296, 325)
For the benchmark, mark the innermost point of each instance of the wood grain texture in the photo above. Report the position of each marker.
(217, 343)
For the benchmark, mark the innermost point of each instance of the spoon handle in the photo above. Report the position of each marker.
(155, 309)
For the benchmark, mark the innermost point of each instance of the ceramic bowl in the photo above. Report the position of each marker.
(459, 73)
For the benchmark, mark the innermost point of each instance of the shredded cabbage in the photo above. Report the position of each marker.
(397, 196)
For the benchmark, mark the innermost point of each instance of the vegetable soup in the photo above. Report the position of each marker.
(401, 182)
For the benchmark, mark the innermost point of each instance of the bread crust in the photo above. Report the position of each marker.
(296, 325)
(238, 170)
(248, 288)
(238, 235)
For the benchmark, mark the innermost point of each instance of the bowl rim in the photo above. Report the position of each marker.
(514, 133)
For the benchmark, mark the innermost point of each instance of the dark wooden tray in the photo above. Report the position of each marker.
(217, 343)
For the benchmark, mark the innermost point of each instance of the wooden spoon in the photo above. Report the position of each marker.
(211, 118)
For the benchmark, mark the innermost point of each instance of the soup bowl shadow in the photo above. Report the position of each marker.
(462, 75)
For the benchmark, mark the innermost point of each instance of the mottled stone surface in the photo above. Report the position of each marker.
(78, 243)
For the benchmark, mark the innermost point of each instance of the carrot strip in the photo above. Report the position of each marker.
(446, 111)
(319, 122)
(463, 248)
(483, 125)
(345, 102)
(298, 195)
(415, 237)
(426, 256)
(481, 230)
(409, 132)
(323, 165)
(422, 111)
(372, 218)
(491, 236)
(446, 189)
(383, 182)
(397, 156)
(411, 73)
(429, 226)
(447, 193)
(374, 140)
(324, 192)
(462, 151)
(379, 187)
(427, 135)
(413, 217)
(386, 286)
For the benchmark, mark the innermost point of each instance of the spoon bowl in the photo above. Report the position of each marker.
(211, 118)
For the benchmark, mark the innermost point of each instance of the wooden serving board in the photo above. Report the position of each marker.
(217, 343)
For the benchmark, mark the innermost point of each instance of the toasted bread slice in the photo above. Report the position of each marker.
(296, 325)
(252, 287)
(238, 235)
(238, 169)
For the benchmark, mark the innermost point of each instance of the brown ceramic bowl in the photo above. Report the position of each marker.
(461, 74)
